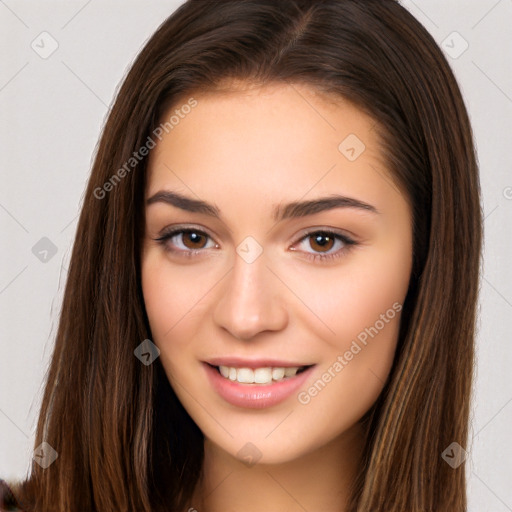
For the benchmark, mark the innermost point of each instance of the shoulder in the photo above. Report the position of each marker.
(7, 500)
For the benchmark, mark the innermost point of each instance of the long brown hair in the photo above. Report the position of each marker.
(124, 440)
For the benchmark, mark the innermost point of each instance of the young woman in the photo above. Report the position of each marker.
(272, 293)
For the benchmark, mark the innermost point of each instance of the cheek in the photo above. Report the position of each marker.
(374, 292)
(176, 302)
(159, 298)
(368, 290)
(170, 295)
(359, 357)
(165, 300)
(361, 304)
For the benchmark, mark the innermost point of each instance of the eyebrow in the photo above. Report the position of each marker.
(280, 212)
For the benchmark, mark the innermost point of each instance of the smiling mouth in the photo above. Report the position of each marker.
(263, 375)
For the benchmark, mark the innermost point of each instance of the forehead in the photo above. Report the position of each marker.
(268, 142)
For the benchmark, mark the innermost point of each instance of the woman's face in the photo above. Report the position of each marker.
(287, 245)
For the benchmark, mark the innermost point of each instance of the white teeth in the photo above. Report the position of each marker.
(278, 373)
(259, 375)
(262, 375)
(245, 375)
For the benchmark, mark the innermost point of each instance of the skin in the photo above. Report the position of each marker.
(245, 151)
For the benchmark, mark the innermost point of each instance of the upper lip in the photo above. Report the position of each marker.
(239, 362)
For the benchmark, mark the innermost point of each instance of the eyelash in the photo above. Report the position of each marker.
(347, 241)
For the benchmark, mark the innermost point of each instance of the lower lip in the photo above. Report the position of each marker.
(255, 396)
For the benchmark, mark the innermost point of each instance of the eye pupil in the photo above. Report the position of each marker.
(324, 241)
(194, 238)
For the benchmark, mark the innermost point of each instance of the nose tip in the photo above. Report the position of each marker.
(248, 330)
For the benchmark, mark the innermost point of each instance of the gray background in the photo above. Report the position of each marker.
(52, 110)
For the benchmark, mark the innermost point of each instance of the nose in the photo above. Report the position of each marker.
(250, 301)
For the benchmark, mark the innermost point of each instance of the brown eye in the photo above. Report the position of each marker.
(193, 240)
(324, 245)
(186, 241)
(321, 242)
